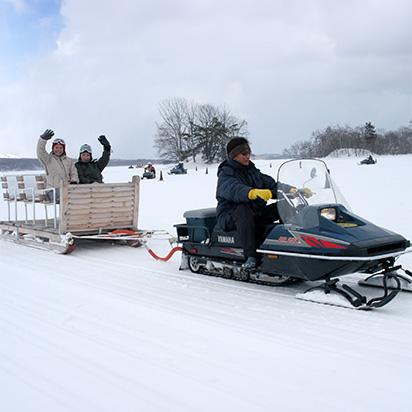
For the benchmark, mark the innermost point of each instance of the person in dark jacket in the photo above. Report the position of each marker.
(89, 169)
(242, 193)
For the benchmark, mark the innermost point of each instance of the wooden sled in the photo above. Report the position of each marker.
(90, 211)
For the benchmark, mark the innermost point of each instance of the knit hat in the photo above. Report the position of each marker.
(85, 148)
(237, 145)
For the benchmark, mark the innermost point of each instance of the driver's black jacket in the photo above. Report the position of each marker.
(233, 185)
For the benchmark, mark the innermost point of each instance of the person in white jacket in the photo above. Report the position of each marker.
(58, 167)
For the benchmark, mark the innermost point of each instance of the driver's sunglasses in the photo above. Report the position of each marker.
(245, 153)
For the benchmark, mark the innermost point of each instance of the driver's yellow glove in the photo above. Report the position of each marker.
(293, 190)
(307, 192)
(264, 194)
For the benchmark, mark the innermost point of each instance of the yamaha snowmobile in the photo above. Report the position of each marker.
(316, 239)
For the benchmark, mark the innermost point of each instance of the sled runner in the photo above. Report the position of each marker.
(317, 239)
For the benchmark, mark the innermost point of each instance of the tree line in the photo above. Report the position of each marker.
(323, 142)
(188, 129)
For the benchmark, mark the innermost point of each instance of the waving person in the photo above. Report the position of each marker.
(89, 169)
(59, 168)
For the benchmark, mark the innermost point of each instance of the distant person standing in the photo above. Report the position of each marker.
(58, 167)
(89, 169)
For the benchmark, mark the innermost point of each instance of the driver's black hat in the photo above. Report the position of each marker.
(237, 145)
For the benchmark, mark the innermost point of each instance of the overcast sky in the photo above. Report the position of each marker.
(288, 67)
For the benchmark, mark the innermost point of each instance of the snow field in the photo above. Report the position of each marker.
(107, 328)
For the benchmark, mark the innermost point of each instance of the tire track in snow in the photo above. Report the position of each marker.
(62, 351)
(208, 307)
(172, 306)
(232, 372)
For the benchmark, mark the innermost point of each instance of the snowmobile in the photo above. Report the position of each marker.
(149, 172)
(317, 239)
(368, 161)
(179, 169)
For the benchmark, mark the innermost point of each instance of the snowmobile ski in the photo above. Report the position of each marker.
(378, 280)
(344, 295)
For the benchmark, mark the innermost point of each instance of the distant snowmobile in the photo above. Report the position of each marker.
(179, 169)
(149, 172)
(317, 239)
(368, 161)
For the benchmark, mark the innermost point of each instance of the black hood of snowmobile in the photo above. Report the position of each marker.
(309, 232)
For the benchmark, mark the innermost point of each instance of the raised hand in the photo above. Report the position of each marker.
(47, 134)
(102, 139)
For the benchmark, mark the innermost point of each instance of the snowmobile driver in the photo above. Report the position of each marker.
(242, 193)
(90, 170)
(150, 169)
(59, 168)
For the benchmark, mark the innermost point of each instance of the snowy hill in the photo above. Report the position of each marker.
(107, 328)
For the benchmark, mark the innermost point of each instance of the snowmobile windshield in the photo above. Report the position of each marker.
(302, 183)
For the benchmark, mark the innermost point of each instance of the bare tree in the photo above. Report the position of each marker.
(189, 129)
(172, 137)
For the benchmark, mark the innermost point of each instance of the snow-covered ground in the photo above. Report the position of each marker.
(107, 328)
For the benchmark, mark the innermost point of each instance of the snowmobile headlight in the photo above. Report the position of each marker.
(328, 213)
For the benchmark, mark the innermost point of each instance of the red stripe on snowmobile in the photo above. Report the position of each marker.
(314, 242)
(311, 241)
(168, 256)
(331, 245)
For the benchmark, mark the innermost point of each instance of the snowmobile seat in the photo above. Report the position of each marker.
(201, 226)
(200, 223)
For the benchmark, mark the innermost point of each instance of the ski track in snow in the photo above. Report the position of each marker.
(107, 328)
